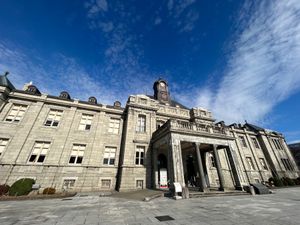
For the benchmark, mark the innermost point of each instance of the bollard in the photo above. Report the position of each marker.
(252, 191)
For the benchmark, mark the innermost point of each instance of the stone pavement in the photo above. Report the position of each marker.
(283, 207)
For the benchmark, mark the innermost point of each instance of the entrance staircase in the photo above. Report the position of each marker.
(213, 192)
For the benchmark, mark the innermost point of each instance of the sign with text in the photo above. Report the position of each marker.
(163, 178)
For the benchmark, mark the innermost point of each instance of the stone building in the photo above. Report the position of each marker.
(295, 149)
(151, 142)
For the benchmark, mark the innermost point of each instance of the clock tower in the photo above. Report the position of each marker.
(161, 91)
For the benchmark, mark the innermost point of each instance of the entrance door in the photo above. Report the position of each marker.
(162, 171)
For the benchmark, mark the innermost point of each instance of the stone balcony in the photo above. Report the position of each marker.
(198, 129)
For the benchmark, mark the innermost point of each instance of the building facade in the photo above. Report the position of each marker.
(150, 143)
(295, 149)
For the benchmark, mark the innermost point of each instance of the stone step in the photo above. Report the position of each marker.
(215, 194)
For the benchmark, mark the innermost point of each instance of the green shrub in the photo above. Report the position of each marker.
(289, 181)
(21, 187)
(4, 188)
(49, 191)
(297, 182)
(278, 182)
(284, 181)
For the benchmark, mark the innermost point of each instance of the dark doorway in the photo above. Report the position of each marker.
(191, 172)
(162, 171)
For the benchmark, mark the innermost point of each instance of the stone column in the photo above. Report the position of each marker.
(154, 168)
(218, 165)
(233, 166)
(203, 186)
(176, 158)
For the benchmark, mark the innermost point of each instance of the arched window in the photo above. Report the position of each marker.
(117, 104)
(92, 100)
(64, 95)
(33, 89)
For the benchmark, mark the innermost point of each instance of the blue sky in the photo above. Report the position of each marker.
(240, 59)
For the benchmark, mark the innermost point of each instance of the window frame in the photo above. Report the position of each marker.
(106, 180)
(37, 156)
(85, 122)
(109, 161)
(263, 163)
(78, 154)
(52, 121)
(287, 164)
(140, 155)
(141, 123)
(112, 129)
(2, 146)
(242, 141)
(255, 142)
(250, 163)
(68, 186)
(9, 114)
(139, 181)
(212, 160)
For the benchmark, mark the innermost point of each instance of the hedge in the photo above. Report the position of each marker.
(4, 188)
(49, 191)
(21, 187)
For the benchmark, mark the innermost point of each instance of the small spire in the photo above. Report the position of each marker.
(6, 73)
(246, 121)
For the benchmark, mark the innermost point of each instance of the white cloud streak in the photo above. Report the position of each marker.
(263, 68)
(183, 15)
(63, 74)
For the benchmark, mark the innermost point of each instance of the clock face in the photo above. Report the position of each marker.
(162, 84)
(164, 96)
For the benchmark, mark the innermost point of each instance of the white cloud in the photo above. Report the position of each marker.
(157, 21)
(122, 52)
(263, 68)
(183, 15)
(96, 6)
(62, 74)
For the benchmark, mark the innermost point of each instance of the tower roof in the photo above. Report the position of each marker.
(4, 81)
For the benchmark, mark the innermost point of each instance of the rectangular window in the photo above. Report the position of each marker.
(109, 155)
(250, 163)
(139, 155)
(85, 122)
(68, 183)
(53, 118)
(141, 124)
(39, 152)
(114, 126)
(77, 154)
(287, 164)
(3, 144)
(16, 113)
(263, 163)
(255, 142)
(105, 183)
(139, 184)
(143, 101)
(212, 160)
(278, 144)
(281, 143)
(243, 141)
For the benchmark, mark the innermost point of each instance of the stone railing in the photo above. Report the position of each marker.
(184, 126)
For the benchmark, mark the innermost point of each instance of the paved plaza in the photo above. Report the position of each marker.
(283, 207)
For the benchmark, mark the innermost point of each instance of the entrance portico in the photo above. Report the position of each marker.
(187, 147)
